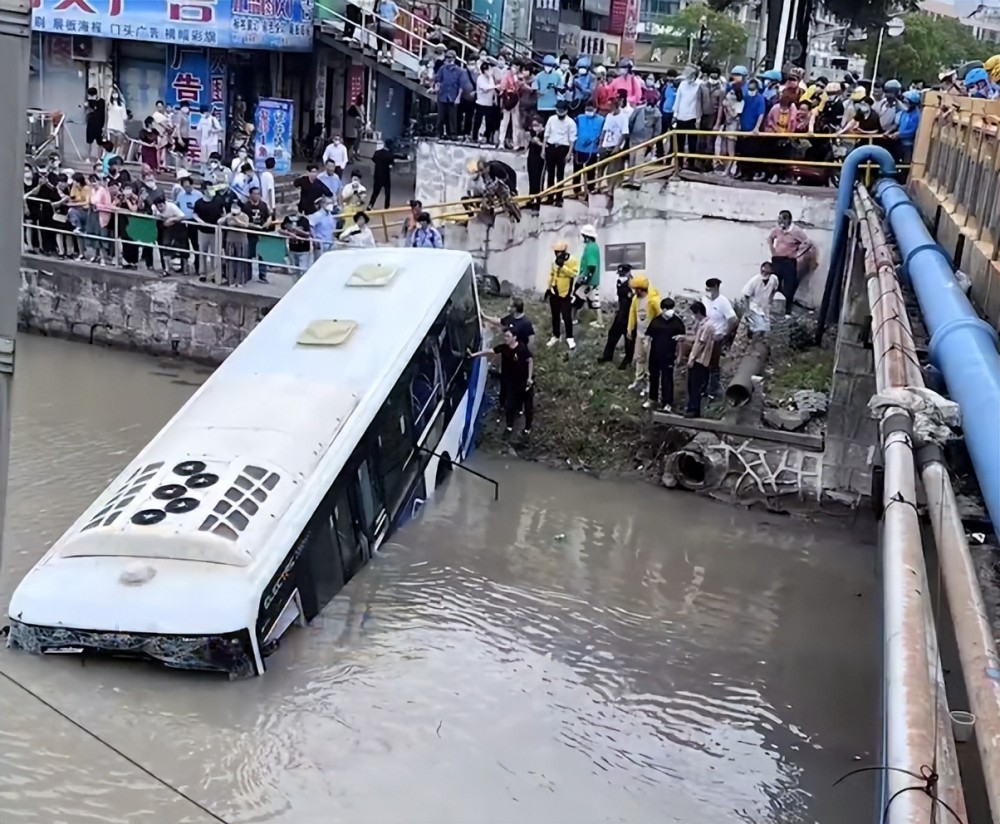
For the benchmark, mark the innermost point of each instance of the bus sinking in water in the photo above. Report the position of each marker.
(281, 476)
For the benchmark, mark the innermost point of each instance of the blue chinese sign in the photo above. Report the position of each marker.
(248, 24)
(197, 77)
(273, 133)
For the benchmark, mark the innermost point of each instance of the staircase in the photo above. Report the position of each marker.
(411, 41)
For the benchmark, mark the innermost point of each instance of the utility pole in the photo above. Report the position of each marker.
(779, 50)
(15, 42)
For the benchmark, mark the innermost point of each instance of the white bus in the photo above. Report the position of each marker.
(281, 476)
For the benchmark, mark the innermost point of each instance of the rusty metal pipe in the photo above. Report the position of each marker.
(910, 695)
(740, 388)
(977, 649)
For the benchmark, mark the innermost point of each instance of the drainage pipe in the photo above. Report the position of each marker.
(835, 274)
(916, 710)
(740, 388)
(962, 346)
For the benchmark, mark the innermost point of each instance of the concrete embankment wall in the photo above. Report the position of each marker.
(132, 310)
(688, 230)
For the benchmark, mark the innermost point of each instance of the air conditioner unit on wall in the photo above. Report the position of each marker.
(91, 49)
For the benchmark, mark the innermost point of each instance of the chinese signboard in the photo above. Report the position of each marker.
(619, 11)
(265, 24)
(273, 133)
(630, 29)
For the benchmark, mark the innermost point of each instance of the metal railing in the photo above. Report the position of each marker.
(957, 155)
(220, 254)
(634, 162)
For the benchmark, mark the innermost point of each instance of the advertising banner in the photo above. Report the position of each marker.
(273, 133)
(189, 81)
(247, 24)
(630, 29)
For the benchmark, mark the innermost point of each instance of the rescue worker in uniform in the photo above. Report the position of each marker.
(562, 277)
(619, 326)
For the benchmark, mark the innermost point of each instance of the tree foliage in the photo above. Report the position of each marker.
(926, 46)
(725, 42)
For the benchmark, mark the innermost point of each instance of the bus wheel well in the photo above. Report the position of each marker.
(443, 469)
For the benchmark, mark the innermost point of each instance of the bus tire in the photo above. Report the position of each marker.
(443, 469)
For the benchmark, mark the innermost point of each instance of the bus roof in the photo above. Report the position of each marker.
(230, 463)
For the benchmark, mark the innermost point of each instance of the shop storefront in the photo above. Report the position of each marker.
(207, 53)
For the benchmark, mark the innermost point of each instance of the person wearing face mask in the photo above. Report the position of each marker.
(562, 276)
(117, 115)
(904, 130)
(126, 201)
(663, 332)
(240, 160)
(511, 87)
(336, 151)
(546, 85)
(756, 295)
(589, 126)
(865, 119)
(687, 113)
(32, 209)
(645, 306)
(486, 97)
(41, 200)
(243, 181)
(236, 268)
(451, 82)
(751, 122)
(559, 137)
(644, 124)
(217, 176)
(149, 144)
(210, 136)
(323, 224)
(604, 95)
(535, 160)
(583, 86)
(566, 73)
(627, 82)
(360, 234)
(723, 320)
(713, 92)
(96, 115)
(619, 326)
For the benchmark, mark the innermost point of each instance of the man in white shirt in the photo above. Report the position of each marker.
(614, 135)
(267, 183)
(560, 135)
(210, 133)
(723, 320)
(337, 152)
(687, 111)
(757, 293)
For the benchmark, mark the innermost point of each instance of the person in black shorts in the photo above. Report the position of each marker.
(517, 367)
(96, 112)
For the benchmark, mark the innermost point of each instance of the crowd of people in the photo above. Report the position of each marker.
(574, 112)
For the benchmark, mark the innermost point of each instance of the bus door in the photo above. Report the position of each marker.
(368, 499)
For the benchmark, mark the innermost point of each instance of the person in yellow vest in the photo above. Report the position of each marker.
(645, 307)
(562, 277)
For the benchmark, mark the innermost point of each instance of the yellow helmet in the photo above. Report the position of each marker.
(992, 66)
(560, 246)
(639, 282)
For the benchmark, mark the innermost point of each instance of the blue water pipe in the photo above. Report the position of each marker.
(963, 346)
(845, 192)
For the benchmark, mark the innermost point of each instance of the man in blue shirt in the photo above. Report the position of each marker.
(243, 181)
(667, 100)
(588, 142)
(451, 81)
(907, 123)
(547, 83)
(330, 178)
(323, 223)
(185, 199)
(425, 236)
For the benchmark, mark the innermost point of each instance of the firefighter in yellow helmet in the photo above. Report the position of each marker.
(562, 277)
(645, 307)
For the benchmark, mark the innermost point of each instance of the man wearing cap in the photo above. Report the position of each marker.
(619, 326)
(560, 135)
(450, 81)
(560, 292)
(645, 307)
(587, 292)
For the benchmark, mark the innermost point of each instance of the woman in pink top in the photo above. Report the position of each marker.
(100, 214)
(783, 118)
(628, 82)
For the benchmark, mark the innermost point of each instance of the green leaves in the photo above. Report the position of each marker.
(725, 39)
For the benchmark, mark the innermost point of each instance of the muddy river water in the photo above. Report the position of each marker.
(580, 651)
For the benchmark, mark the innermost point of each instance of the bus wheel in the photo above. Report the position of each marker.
(443, 469)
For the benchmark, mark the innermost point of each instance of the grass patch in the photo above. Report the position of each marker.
(809, 369)
(586, 416)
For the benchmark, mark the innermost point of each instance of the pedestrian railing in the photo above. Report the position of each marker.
(663, 154)
(957, 156)
(227, 255)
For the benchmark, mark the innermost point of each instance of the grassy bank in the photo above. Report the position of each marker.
(585, 415)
